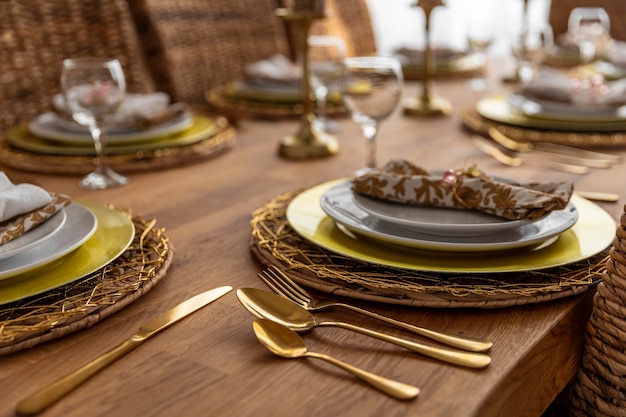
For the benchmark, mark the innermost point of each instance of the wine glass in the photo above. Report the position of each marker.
(371, 91)
(480, 34)
(94, 90)
(326, 54)
(588, 28)
(531, 49)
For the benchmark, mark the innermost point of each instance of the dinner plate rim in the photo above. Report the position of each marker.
(593, 232)
(447, 243)
(606, 115)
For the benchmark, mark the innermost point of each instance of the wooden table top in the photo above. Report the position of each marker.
(211, 364)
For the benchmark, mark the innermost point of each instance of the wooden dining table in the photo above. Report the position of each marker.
(211, 363)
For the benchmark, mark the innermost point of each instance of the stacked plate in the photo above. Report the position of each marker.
(50, 133)
(332, 216)
(447, 62)
(77, 241)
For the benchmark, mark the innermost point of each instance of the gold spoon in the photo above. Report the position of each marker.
(268, 305)
(284, 342)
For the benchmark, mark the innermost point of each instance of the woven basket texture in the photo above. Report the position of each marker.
(349, 19)
(560, 10)
(193, 46)
(36, 35)
(600, 385)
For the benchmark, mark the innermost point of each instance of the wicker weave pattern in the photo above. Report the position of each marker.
(37, 35)
(600, 386)
(560, 10)
(193, 46)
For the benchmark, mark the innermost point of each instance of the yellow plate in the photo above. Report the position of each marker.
(496, 108)
(592, 233)
(20, 137)
(232, 92)
(113, 235)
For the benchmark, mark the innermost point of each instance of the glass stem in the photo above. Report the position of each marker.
(99, 139)
(370, 129)
(321, 102)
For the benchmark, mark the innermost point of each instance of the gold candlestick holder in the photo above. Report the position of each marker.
(307, 142)
(428, 103)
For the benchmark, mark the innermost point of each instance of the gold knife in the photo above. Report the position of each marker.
(44, 398)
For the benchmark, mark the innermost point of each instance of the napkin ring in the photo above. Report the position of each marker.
(452, 176)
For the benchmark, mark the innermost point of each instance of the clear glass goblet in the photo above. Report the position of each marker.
(326, 54)
(372, 87)
(94, 90)
(588, 27)
(480, 35)
(532, 48)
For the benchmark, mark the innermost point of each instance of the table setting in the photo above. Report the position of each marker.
(134, 132)
(66, 264)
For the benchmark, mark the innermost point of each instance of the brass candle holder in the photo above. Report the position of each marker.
(427, 104)
(307, 142)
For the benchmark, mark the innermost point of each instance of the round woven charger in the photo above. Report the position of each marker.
(274, 242)
(242, 109)
(81, 304)
(478, 124)
(221, 141)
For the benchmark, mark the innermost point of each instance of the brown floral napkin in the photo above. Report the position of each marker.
(403, 182)
(24, 207)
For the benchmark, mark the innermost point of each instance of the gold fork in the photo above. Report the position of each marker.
(280, 283)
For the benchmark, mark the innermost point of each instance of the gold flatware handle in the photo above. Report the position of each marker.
(467, 359)
(461, 342)
(598, 196)
(390, 387)
(43, 399)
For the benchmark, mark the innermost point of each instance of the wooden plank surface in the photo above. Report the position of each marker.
(211, 364)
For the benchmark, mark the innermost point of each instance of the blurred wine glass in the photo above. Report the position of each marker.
(371, 91)
(531, 49)
(326, 54)
(588, 27)
(480, 34)
(94, 90)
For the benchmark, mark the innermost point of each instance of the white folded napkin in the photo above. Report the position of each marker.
(416, 56)
(24, 207)
(20, 199)
(136, 106)
(275, 69)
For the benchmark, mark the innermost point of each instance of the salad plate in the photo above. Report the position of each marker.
(567, 112)
(36, 236)
(436, 221)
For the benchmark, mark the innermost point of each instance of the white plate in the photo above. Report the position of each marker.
(430, 220)
(50, 126)
(553, 110)
(342, 208)
(33, 237)
(80, 225)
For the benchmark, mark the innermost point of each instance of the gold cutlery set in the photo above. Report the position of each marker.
(281, 314)
(547, 155)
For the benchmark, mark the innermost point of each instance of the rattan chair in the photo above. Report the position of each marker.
(193, 46)
(36, 35)
(561, 9)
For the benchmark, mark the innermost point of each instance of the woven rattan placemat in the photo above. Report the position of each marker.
(81, 304)
(479, 124)
(220, 141)
(274, 242)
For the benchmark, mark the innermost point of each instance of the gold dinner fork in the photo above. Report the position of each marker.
(280, 283)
